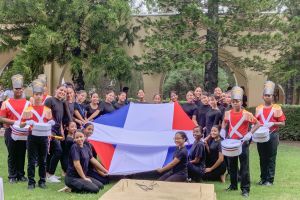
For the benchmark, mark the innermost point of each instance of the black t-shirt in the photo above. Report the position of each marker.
(106, 108)
(67, 144)
(94, 153)
(198, 151)
(214, 150)
(84, 155)
(189, 109)
(200, 114)
(198, 103)
(71, 108)
(81, 108)
(213, 117)
(58, 111)
(67, 118)
(182, 155)
(90, 111)
(118, 105)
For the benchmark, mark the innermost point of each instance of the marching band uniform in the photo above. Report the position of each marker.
(40, 119)
(238, 129)
(267, 151)
(42, 78)
(15, 137)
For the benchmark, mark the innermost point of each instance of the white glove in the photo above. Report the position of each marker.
(269, 124)
(51, 122)
(17, 123)
(223, 133)
(247, 137)
(30, 122)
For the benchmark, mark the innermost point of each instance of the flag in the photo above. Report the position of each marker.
(139, 137)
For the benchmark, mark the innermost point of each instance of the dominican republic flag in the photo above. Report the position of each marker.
(139, 137)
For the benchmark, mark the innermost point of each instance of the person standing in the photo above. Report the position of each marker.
(239, 120)
(39, 117)
(197, 96)
(15, 138)
(141, 96)
(213, 115)
(173, 96)
(199, 115)
(93, 108)
(56, 104)
(107, 105)
(157, 99)
(271, 116)
(189, 107)
(122, 100)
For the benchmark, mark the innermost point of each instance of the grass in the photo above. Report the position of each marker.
(286, 187)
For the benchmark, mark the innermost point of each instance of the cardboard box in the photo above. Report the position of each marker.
(127, 189)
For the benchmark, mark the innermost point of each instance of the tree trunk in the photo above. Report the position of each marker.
(78, 80)
(289, 91)
(211, 67)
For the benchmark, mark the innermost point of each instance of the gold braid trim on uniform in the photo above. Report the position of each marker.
(27, 114)
(277, 110)
(47, 113)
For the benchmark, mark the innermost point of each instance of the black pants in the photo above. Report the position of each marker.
(216, 173)
(16, 155)
(81, 186)
(195, 172)
(54, 156)
(267, 157)
(244, 168)
(92, 173)
(37, 151)
(173, 177)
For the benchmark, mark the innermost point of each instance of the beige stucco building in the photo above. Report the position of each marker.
(253, 81)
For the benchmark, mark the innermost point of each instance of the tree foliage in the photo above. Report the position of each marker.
(180, 40)
(87, 34)
(185, 79)
(288, 65)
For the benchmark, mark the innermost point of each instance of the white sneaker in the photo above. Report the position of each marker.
(58, 177)
(52, 179)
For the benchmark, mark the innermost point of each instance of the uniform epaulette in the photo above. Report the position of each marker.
(260, 107)
(276, 107)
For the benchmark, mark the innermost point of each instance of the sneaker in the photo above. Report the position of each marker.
(261, 182)
(267, 183)
(42, 185)
(58, 177)
(231, 188)
(65, 189)
(245, 194)
(12, 180)
(52, 179)
(31, 187)
(23, 179)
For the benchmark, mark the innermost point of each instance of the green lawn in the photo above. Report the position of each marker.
(287, 182)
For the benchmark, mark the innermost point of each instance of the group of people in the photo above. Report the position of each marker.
(55, 129)
(222, 116)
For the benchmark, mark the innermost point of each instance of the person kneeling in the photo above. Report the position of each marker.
(176, 170)
(80, 159)
(197, 156)
(215, 165)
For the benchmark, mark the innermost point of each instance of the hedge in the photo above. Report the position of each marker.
(291, 130)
